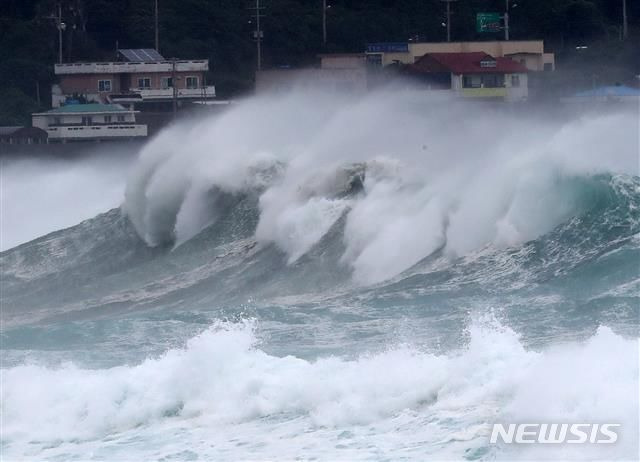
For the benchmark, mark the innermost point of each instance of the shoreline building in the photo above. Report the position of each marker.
(142, 79)
(529, 53)
(611, 94)
(475, 75)
(339, 72)
(89, 122)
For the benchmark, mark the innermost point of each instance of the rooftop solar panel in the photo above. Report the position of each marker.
(141, 55)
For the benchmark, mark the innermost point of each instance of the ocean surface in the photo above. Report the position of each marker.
(307, 277)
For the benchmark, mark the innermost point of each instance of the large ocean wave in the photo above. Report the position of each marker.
(409, 178)
(304, 277)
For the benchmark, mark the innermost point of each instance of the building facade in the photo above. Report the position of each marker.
(529, 53)
(475, 75)
(89, 122)
(339, 73)
(141, 79)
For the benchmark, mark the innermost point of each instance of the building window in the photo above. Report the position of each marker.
(167, 82)
(483, 81)
(374, 60)
(87, 120)
(107, 119)
(515, 81)
(192, 82)
(104, 85)
(471, 81)
(144, 82)
(493, 80)
(57, 121)
(120, 118)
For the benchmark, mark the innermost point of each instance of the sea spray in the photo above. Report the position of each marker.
(507, 181)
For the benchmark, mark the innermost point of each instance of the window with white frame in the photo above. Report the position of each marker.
(167, 82)
(192, 82)
(107, 119)
(121, 118)
(144, 82)
(104, 85)
(515, 81)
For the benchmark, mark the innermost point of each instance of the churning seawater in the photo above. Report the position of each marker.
(305, 277)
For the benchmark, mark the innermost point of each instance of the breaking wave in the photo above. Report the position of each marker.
(222, 386)
(426, 182)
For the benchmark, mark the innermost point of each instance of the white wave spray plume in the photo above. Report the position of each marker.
(45, 192)
(436, 174)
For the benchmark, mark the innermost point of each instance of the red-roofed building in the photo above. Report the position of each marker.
(474, 75)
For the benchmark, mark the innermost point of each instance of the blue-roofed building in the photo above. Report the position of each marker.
(89, 122)
(606, 94)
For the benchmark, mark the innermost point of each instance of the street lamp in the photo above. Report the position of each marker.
(61, 28)
(506, 18)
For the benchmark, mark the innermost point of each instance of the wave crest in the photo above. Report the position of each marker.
(405, 179)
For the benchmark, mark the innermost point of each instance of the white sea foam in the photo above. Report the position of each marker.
(221, 395)
(436, 175)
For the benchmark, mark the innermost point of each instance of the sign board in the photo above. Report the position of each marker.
(488, 22)
(393, 47)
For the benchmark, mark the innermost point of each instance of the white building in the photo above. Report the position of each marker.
(78, 122)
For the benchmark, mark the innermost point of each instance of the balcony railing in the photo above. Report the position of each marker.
(131, 67)
(167, 93)
(96, 131)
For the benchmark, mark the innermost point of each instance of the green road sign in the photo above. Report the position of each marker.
(488, 22)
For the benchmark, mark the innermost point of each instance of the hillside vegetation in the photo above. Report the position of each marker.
(220, 30)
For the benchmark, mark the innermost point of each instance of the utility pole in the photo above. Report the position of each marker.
(625, 27)
(174, 87)
(448, 2)
(258, 35)
(324, 22)
(157, 41)
(61, 27)
(506, 20)
(59, 33)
